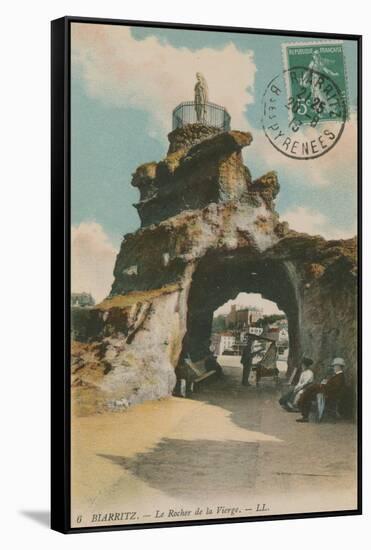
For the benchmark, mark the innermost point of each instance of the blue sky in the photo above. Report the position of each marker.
(120, 118)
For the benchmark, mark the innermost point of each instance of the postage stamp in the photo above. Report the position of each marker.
(319, 57)
(304, 111)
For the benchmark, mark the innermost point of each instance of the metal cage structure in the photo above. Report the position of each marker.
(212, 115)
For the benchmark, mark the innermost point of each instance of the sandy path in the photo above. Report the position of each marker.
(230, 446)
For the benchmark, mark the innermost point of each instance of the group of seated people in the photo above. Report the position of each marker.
(331, 388)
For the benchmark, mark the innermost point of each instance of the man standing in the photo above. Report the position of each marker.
(331, 388)
(246, 361)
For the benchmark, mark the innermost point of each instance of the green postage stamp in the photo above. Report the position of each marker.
(307, 62)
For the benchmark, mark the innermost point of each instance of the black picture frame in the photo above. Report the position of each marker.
(60, 271)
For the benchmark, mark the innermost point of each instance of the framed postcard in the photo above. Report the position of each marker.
(206, 296)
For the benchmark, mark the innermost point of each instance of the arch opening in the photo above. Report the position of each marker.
(222, 277)
(250, 317)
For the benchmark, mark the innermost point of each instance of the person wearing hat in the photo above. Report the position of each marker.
(331, 388)
(290, 399)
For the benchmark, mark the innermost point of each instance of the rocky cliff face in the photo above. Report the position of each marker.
(209, 231)
(189, 178)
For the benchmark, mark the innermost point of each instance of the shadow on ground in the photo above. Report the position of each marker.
(195, 469)
(244, 403)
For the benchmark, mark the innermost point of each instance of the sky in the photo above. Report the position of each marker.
(125, 84)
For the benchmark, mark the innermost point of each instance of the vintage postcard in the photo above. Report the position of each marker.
(214, 341)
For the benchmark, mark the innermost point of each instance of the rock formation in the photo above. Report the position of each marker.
(209, 231)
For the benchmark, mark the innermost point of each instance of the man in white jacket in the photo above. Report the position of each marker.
(289, 401)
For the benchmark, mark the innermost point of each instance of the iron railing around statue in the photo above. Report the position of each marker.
(209, 114)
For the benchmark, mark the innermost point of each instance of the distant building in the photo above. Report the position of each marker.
(280, 335)
(222, 341)
(283, 336)
(215, 343)
(82, 299)
(272, 332)
(257, 331)
(243, 317)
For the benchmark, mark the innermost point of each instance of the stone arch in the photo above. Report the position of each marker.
(206, 227)
(220, 276)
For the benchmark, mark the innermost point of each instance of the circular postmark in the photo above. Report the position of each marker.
(304, 113)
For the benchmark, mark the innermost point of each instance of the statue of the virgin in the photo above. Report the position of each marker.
(201, 97)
